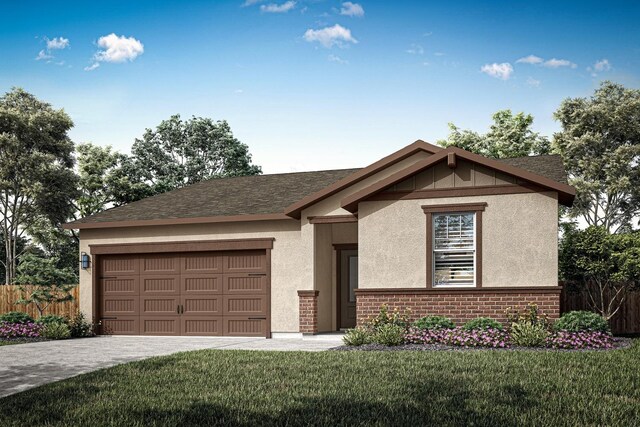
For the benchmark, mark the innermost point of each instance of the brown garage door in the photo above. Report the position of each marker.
(199, 293)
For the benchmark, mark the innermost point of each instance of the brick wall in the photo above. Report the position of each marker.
(308, 309)
(459, 305)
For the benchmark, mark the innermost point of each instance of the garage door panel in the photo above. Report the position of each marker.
(242, 305)
(160, 284)
(202, 305)
(160, 325)
(202, 325)
(119, 265)
(203, 262)
(201, 284)
(120, 305)
(122, 325)
(160, 263)
(245, 261)
(153, 305)
(245, 283)
(242, 326)
(119, 285)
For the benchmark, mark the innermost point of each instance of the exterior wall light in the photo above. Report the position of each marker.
(85, 260)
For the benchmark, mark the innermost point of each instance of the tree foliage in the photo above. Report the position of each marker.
(49, 283)
(509, 136)
(36, 168)
(182, 152)
(600, 146)
(606, 266)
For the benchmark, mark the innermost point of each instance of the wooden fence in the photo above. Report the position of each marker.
(9, 294)
(626, 321)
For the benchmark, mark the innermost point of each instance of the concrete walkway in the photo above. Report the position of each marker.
(24, 366)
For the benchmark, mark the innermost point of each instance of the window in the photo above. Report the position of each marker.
(454, 245)
(454, 249)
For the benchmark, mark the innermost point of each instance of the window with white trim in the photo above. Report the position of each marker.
(454, 249)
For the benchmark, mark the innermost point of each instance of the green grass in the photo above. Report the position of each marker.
(345, 388)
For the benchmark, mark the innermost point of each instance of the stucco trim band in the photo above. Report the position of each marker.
(189, 246)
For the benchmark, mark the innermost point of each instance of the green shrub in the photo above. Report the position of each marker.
(389, 335)
(357, 336)
(576, 321)
(528, 334)
(434, 322)
(47, 319)
(394, 318)
(80, 327)
(56, 331)
(481, 323)
(530, 314)
(16, 317)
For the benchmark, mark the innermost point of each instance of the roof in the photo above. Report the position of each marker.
(283, 196)
(252, 197)
(566, 193)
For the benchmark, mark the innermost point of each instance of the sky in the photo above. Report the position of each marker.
(311, 84)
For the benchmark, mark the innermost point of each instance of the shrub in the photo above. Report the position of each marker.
(389, 334)
(434, 322)
(47, 319)
(16, 317)
(529, 315)
(581, 339)
(56, 331)
(576, 321)
(480, 323)
(529, 334)
(357, 336)
(80, 327)
(10, 330)
(385, 318)
(416, 335)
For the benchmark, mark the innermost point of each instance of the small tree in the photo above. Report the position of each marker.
(49, 284)
(606, 266)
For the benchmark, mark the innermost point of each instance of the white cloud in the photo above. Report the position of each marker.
(427, 34)
(42, 55)
(557, 63)
(599, 67)
(278, 8)
(531, 59)
(57, 43)
(533, 82)
(251, 2)
(118, 49)
(500, 71)
(336, 58)
(92, 66)
(351, 9)
(415, 49)
(330, 36)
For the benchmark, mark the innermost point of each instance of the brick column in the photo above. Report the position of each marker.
(308, 308)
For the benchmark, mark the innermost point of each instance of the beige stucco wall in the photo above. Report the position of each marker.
(291, 270)
(519, 241)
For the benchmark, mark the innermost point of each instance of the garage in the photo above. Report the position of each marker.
(199, 293)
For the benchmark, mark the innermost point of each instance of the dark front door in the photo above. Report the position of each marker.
(348, 280)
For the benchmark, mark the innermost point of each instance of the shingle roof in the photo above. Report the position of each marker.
(262, 194)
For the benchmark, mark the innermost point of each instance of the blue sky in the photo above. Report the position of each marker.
(314, 84)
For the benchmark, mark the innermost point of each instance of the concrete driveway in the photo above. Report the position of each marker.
(24, 366)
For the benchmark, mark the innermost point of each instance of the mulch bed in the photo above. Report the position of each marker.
(619, 342)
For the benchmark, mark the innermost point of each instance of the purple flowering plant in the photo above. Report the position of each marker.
(20, 330)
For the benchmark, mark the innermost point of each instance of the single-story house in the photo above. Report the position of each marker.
(435, 230)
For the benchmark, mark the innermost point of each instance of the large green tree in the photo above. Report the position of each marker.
(36, 168)
(600, 146)
(509, 136)
(182, 152)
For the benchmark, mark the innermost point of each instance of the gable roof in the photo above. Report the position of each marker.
(245, 198)
(283, 196)
(295, 209)
(566, 193)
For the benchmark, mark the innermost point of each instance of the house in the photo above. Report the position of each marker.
(438, 231)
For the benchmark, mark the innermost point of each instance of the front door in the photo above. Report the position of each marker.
(348, 283)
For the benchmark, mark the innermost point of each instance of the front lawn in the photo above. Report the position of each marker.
(211, 387)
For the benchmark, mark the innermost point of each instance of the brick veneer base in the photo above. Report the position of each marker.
(308, 309)
(459, 305)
